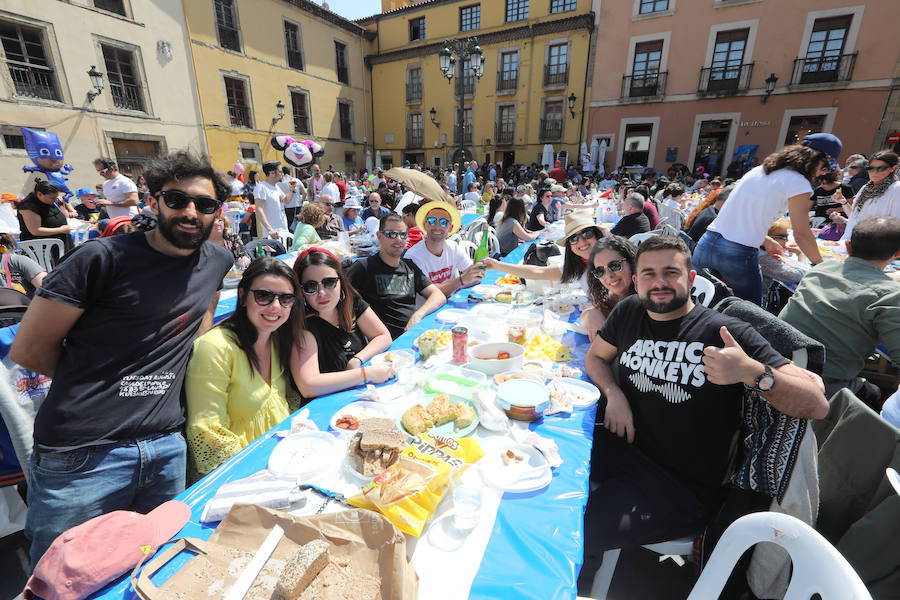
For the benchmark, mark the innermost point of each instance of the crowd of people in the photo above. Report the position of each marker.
(129, 425)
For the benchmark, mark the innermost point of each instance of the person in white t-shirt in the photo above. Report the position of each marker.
(729, 248)
(270, 219)
(292, 188)
(330, 188)
(237, 187)
(120, 194)
(472, 197)
(442, 261)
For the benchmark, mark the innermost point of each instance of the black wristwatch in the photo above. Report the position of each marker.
(766, 381)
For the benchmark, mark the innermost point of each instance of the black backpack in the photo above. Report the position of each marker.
(539, 252)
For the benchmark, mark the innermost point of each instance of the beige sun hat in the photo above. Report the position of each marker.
(576, 222)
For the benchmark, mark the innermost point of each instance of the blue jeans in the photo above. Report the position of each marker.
(735, 264)
(71, 487)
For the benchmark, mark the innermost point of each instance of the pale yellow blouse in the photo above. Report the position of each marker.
(228, 403)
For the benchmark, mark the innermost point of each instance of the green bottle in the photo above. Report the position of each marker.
(259, 250)
(479, 207)
(482, 252)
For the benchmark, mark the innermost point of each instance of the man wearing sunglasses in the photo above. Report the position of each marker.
(120, 194)
(443, 262)
(375, 209)
(333, 223)
(113, 325)
(390, 283)
(270, 218)
(634, 220)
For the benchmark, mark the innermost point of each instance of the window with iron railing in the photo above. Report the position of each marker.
(113, 6)
(124, 85)
(415, 131)
(644, 85)
(300, 111)
(465, 85)
(556, 71)
(470, 17)
(414, 86)
(226, 25)
(516, 10)
(825, 60)
(340, 61)
(558, 6)
(505, 127)
(236, 101)
(508, 75)
(30, 70)
(466, 126)
(552, 122)
(725, 80)
(344, 119)
(292, 46)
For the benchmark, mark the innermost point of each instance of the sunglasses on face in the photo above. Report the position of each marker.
(878, 169)
(779, 237)
(614, 267)
(103, 170)
(178, 200)
(583, 235)
(328, 203)
(393, 235)
(312, 287)
(266, 297)
(436, 221)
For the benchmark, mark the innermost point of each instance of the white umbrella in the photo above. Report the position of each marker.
(586, 165)
(368, 160)
(547, 158)
(595, 150)
(601, 156)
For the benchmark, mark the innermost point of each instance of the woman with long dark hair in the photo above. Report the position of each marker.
(879, 197)
(783, 183)
(612, 265)
(511, 231)
(343, 332)
(496, 208)
(238, 382)
(41, 216)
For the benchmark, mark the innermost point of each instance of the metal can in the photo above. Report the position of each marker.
(460, 341)
(427, 346)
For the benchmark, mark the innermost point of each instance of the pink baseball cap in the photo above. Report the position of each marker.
(87, 557)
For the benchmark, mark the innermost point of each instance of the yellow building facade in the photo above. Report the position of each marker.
(276, 67)
(534, 88)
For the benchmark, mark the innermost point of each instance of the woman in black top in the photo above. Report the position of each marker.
(41, 217)
(540, 214)
(343, 332)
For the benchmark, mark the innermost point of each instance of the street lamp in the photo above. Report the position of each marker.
(572, 98)
(433, 114)
(96, 82)
(771, 80)
(453, 58)
(279, 108)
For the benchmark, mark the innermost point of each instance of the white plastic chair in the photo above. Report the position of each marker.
(604, 575)
(41, 250)
(493, 243)
(468, 247)
(818, 568)
(703, 290)
(235, 216)
(637, 238)
(894, 478)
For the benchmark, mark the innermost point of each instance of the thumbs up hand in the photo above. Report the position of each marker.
(728, 364)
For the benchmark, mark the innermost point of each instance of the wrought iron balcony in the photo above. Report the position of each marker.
(229, 37)
(415, 138)
(467, 134)
(414, 92)
(556, 75)
(126, 96)
(32, 81)
(465, 86)
(646, 85)
(239, 116)
(508, 81)
(551, 129)
(726, 80)
(295, 59)
(505, 133)
(825, 69)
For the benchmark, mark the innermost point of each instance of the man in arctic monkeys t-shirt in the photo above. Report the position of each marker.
(682, 422)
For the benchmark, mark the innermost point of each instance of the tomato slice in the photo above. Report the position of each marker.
(502, 355)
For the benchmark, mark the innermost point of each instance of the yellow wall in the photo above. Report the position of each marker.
(263, 61)
(442, 22)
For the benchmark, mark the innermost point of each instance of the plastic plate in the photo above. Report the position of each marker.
(305, 456)
(362, 409)
(506, 477)
(398, 358)
(451, 315)
(583, 394)
(447, 429)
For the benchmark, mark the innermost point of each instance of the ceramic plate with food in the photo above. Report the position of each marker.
(439, 415)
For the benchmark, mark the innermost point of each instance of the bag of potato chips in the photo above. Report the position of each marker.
(409, 491)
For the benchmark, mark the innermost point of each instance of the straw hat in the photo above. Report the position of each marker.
(576, 222)
(426, 208)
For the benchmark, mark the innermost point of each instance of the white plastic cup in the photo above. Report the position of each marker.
(467, 502)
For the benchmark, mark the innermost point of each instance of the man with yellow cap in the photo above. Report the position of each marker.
(447, 265)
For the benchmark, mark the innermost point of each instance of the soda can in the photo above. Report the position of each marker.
(460, 341)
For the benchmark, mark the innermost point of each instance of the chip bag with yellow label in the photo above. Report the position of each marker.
(409, 491)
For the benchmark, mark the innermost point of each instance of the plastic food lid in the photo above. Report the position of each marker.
(525, 393)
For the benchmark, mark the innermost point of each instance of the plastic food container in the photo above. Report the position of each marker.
(483, 357)
(523, 399)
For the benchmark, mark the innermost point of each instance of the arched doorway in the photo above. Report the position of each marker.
(457, 156)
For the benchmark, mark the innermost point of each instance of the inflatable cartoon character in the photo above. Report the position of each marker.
(299, 154)
(46, 153)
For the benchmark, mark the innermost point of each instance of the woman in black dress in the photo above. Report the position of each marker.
(41, 216)
(342, 331)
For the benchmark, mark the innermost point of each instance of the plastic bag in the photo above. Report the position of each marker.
(409, 491)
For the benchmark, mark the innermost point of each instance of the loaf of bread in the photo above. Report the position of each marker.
(301, 568)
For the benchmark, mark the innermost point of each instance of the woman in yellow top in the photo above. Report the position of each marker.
(238, 383)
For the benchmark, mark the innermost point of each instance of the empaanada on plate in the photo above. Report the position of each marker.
(305, 456)
(519, 473)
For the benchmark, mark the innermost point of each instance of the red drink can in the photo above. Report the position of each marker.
(460, 341)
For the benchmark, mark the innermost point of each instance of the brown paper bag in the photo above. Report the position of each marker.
(366, 540)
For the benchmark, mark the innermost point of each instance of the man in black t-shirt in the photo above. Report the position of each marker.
(390, 283)
(113, 325)
(634, 221)
(673, 373)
